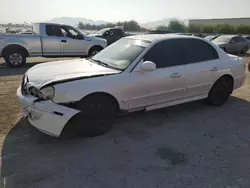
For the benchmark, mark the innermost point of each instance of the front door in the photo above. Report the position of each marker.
(235, 45)
(113, 35)
(73, 43)
(165, 84)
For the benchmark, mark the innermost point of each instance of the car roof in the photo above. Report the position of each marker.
(158, 37)
(51, 23)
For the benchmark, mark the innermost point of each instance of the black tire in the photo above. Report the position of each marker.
(97, 115)
(220, 92)
(94, 50)
(244, 51)
(15, 58)
(249, 66)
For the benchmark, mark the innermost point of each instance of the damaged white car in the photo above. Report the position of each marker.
(136, 73)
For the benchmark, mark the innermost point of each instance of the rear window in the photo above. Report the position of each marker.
(53, 30)
(198, 51)
(222, 39)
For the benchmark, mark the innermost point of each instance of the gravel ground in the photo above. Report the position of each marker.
(191, 145)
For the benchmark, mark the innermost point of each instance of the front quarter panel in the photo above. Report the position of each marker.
(94, 41)
(74, 91)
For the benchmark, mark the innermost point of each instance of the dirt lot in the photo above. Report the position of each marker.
(191, 145)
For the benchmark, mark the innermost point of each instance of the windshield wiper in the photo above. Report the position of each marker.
(102, 63)
(99, 62)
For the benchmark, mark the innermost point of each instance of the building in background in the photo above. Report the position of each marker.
(231, 21)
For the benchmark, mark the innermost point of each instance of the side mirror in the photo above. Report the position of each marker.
(148, 66)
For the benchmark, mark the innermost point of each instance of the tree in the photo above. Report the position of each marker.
(225, 29)
(242, 29)
(194, 28)
(208, 29)
(162, 27)
(80, 25)
(176, 26)
(128, 26)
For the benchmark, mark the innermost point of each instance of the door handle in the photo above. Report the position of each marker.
(63, 40)
(176, 75)
(214, 69)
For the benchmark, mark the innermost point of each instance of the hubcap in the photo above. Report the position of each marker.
(94, 53)
(15, 59)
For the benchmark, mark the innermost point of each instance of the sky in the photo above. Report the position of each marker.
(20, 11)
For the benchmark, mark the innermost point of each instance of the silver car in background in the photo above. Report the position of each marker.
(232, 43)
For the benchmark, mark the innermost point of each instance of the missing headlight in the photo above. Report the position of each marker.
(47, 93)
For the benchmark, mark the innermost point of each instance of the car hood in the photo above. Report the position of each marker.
(63, 71)
(96, 40)
(94, 35)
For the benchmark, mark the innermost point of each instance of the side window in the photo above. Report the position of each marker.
(117, 32)
(70, 32)
(238, 39)
(53, 30)
(197, 51)
(112, 32)
(241, 39)
(165, 54)
(235, 40)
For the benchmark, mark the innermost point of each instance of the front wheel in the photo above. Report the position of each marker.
(94, 50)
(244, 51)
(97, 115)
(15, 59)
(220, 92)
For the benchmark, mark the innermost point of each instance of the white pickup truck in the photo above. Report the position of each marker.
(49, 40)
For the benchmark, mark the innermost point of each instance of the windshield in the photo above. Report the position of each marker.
(222, 39)
(102, 31)
(122, 53)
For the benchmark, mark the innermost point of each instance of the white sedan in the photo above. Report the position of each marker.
(136, 73)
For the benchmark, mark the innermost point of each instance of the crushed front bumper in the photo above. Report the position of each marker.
(46, 116)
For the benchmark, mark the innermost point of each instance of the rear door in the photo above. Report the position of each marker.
(51, 43)
(202, 66)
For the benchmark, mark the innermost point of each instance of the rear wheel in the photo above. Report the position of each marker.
(15, 58)
(97, 115)
(220, 92)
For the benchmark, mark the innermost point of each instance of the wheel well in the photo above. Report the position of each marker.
(96, 47)
(13, 47)
(96, 94)
(226, 76)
